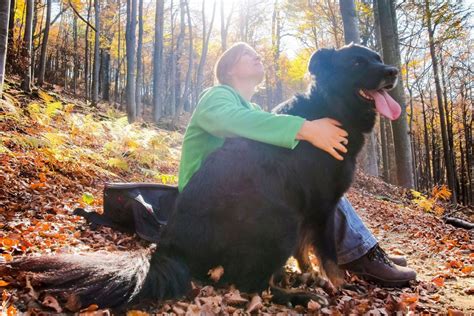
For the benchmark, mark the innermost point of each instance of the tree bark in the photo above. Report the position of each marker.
(391, 53)
(349, 21)
(206, 34)
(44, 44)
(158, 61)
(106, 75)
(4, 19)
(185, 100)
(75, 72)
(138, 93)
(96, 73)
(87, 53)
(131, 43)
(27, 48)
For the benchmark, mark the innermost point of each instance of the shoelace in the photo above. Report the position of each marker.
(380, 255)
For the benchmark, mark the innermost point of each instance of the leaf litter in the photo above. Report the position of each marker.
(45, 176)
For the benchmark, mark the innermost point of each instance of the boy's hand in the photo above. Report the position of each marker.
(325, 134)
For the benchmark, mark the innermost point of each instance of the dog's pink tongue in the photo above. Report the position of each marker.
(385, 104)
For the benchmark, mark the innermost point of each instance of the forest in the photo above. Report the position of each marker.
(102, 90)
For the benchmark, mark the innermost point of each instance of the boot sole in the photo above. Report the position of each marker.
(385, 283)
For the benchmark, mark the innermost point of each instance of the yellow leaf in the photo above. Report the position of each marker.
(3, 283)
(118, 163)
(45, 96)
(216, 273)
(415, 194)
(87, 198)
(53, 108)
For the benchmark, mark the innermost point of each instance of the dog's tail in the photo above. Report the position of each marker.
(105, 279)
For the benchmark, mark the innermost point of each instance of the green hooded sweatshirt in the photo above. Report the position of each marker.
(221, 112)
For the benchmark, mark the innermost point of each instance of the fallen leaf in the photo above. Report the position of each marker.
(469, 291)
(234, 298)
(11, 311)
(454, 312)
(90, 308)
(216, 273)
(3, 283)
(467, 269)
(313, 306)
(255, 304)
(439, 281)
(456, 264)
(42, 177)
(137, 313)
(50, 301)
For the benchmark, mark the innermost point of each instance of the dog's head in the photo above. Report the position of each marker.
(358, 75)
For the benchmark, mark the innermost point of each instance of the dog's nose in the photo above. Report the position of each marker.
(391, 71)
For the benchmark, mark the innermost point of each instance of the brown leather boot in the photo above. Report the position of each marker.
(398, 260)
(376, 266)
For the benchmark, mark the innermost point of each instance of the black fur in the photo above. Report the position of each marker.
(248, 206)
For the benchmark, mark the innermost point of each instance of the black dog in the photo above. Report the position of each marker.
(249, 205)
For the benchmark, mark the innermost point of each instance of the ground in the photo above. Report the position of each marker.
(56, 153)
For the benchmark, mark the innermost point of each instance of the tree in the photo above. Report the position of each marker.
(95, 74)
(4, 19)
(206, 35)
(27, 48)
(44, 44)
(158, 61)
(130, 40)
(138, 93)
(368, 156)
(447, 147)
(225, 25)
(391, 54)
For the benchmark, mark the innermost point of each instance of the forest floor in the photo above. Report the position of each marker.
(56, 154)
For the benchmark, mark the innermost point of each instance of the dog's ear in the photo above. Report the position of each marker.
(321, 61)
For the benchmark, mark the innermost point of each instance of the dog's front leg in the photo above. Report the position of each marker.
(324, 245)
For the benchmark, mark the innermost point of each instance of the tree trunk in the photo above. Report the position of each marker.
(138, 93)
(27, 48)
(276, 47)
(87, 53)
(4, 19)
(225, 25)
(158, 61)
(368, 156)
(206, 34)
(391, 53)
(105, 75)
(131, 43)
(75, 74)
(185, 100)
(96, 73)
(349, 21)
(119, 50)
(439, 98)
(44, 44)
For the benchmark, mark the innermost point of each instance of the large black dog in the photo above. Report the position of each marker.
(249, 205)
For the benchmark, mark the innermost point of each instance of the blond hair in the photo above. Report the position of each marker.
(227, 60)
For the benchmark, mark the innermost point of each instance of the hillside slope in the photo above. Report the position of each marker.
(56, 153)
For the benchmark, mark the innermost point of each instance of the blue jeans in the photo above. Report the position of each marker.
(353, 238)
